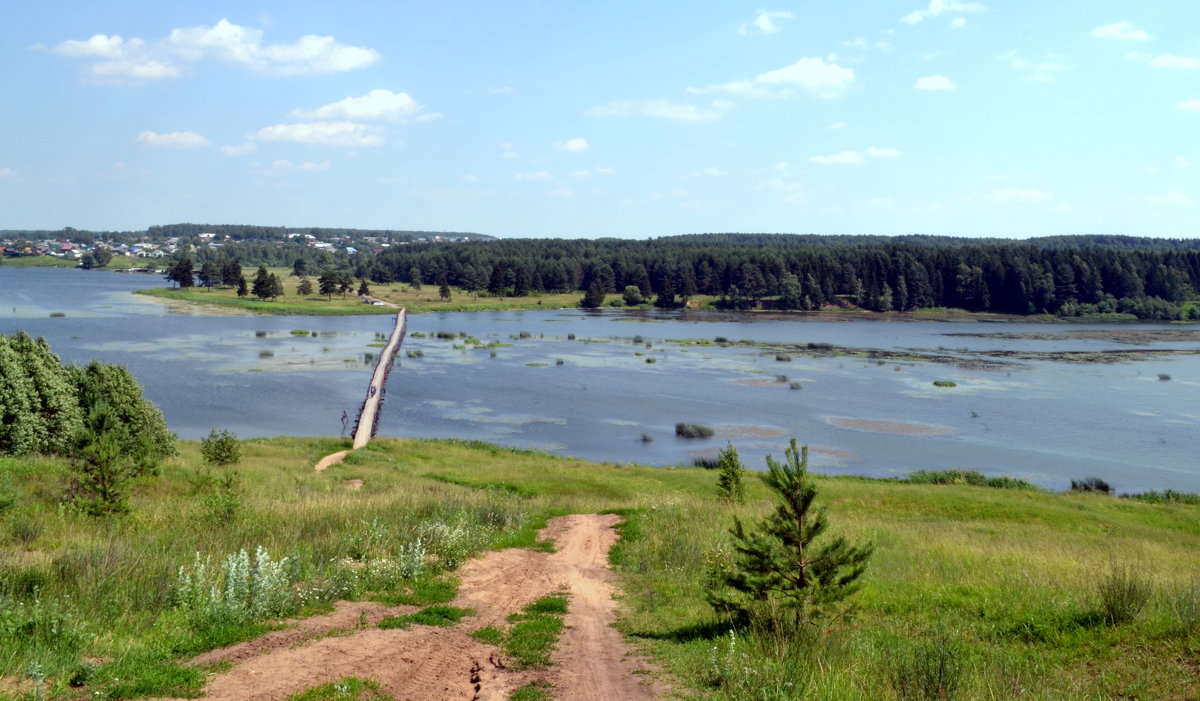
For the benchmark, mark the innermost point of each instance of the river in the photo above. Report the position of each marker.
(578, 383)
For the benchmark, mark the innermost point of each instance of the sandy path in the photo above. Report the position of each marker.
(425, 662)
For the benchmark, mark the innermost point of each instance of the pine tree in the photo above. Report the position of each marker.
(779, 576)
(729, 481)
(594, 297)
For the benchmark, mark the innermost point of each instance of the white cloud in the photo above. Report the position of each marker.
(284, 166)
(662, 109)
(563, 191)
(603, 171)
(836, 125)
(240, 149)
(136, 60)
(469, 178)
(1121, 31)
(854, 157)
(812, 74)
(958, 22)
(310, 54)
(1013, 194)
(175, 139)
(934, 82)
(328, 133)
(939, 7)
(428, 117)
(576, 145)
(712, 172)
(856, 43)
(7, 173)
(580, 174)
(874, 152)
(843, 158)
(379, 104)
(538, 175)
(502, 90)
(1181, 162)
(1186, 63)
(1042, 72)
(1189, 105)
(764, 22)
(510, 155)
(1169, 199)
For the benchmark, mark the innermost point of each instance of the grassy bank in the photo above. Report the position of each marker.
(999, 584)
(117, 263)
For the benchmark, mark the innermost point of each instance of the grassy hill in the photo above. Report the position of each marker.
(991, 593)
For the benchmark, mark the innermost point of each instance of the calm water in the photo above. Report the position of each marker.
(1043, 421)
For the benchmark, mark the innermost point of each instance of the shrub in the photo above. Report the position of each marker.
(1123, 592)
(783, 357)
(646, 438)
(1169, 496)
(932, 670)
(1183, 601)
(1091, 484)
(1163, 377)
(944, 383)
(707, 462)
(794, 385)
(971, 477)
(686, 430)
(240, 591)
(221, 448)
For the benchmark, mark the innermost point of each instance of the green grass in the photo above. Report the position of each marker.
(428, 616)
(1005, 579)
(533, 691)
(347, 689)
(534, 633)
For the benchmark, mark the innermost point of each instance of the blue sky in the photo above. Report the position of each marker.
(627, 119)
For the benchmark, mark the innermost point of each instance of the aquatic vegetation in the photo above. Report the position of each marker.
(689, 430)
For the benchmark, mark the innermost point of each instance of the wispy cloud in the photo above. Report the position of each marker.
(175, 139)
(662, 109)
(536, 175)
(1169, 199)
(576, 145)
(1037, 71)
(765, 22)
(1121, 31)
(938, 8)
(1013, 194)
(854, 157)
(240, 149)
(934, 82)
(1186, 63)
(326, 133)
(712, 172)
(812, 74)
(378, 104)
(1191, 104)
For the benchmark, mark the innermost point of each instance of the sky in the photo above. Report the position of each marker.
(1011, 118)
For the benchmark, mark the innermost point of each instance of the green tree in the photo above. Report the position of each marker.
(242, 288)
(148, 436)
(327, 283)
(779, 576)
(300, 267)
(266, 285)
(305, 288)
(103, 463)
(221, 448)
(594, 297)
(632, 296)
(729, 477)
(443, 288)
(181, 273)
(363, 288)
(210, 274)
(231, 272)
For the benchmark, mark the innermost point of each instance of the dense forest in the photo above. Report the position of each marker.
(1068, 276)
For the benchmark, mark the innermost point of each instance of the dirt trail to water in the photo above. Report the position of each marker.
(592, 662)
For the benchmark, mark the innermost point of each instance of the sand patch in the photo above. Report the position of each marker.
(904, 428)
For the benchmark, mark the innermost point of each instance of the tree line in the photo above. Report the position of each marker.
(1097, 275)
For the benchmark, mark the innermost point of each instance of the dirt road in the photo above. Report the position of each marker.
(428, 663)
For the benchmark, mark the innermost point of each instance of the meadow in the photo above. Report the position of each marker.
(972, 592)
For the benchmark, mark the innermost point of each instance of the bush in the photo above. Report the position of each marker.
(240, 591)
(783, 357)
(707, 462)
(1123, 592)
(221, 448)
(929, 671)
(971, 477)
(686, 430)
(1091, 484)
(944, 383)
(1169, 496)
